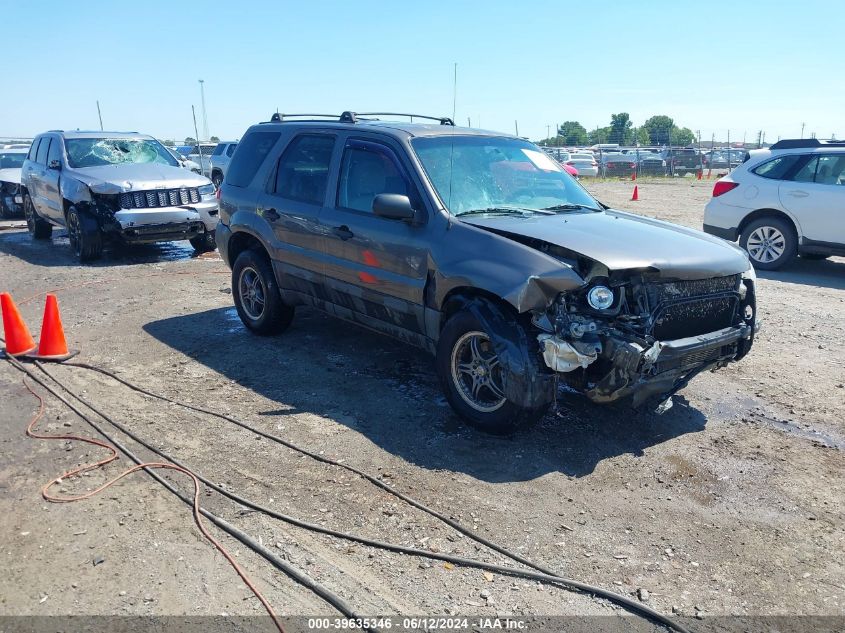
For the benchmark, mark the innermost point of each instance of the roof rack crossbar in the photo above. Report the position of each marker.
(443, 120)
(795, 143)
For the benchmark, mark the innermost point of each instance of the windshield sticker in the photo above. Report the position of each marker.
(540, 160)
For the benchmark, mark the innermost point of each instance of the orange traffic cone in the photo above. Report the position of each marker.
(636, 195)
(18, 339)
(52, 344)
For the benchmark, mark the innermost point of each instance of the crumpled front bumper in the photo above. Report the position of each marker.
(666, 366)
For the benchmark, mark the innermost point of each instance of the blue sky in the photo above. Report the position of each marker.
(742, 66)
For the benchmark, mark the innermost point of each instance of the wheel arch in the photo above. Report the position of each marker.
(241, 241)
(457, 298)
(773, 213)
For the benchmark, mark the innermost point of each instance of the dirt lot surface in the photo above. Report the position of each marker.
(729, 503)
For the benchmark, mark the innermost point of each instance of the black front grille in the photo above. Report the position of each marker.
(155, 198)
(694, 316)
(692, 307)
(694, 359)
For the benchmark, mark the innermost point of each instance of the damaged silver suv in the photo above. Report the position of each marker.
(119, 186)
(479, 248)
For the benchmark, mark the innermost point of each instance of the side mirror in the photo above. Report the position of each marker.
(393, 206)
(55, 164)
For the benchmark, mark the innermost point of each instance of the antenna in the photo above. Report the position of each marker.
(455, 91)
(100, 115)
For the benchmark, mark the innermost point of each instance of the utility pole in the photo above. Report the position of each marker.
(469, 122)
(204, 117)
(548, 136)
(100, 115)
(199, 145)
(802, 130)
(516, 127)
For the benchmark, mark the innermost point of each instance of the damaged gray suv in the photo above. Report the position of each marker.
(119, 186)
(479, 248)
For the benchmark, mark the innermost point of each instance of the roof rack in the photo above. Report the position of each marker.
(795, 143)
(353, 117)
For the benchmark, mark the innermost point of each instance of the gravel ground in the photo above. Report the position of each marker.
(730, 503)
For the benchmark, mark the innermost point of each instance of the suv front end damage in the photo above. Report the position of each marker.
(652, 339)
(150, 215)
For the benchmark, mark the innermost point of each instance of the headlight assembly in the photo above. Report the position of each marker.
(206, 190)
(600, 297)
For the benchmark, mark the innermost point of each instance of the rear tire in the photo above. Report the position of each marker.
(770, 242)
(204, 242)
(39, 229)
(256, 295)
(465, 358)
(86, 243)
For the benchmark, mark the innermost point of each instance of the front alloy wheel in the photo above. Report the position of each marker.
(476, 372)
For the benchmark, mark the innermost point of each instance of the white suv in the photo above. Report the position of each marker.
(783, 201)
(220, 158)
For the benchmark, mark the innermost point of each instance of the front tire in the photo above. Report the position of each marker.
(85, 242)
(256, 295)
(471, 378)
(39, 229)
(770, 243)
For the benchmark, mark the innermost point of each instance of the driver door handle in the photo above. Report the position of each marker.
(343, 232)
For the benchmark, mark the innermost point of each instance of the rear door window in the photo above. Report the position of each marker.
(231, 149)
(303, 170)
(249, 157)
(41, 156)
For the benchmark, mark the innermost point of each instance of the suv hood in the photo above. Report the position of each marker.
(137, 177)
(623, 241)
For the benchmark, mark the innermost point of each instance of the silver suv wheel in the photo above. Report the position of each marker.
(766, 244)
(252, 292)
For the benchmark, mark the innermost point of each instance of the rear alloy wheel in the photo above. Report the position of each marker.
(472, 377)
(256, 294)
(770, 243)
(39, 229)
(86, 244)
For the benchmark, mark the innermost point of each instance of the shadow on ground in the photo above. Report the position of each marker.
(56, 251)
(388, 392)
(826, 273)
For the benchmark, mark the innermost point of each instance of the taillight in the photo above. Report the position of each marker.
(217, 193)
(723, 186)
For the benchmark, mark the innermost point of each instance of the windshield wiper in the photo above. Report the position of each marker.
(505, 210)
(569, 207)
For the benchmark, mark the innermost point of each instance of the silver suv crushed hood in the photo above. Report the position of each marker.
(623, 241)
(136, 177)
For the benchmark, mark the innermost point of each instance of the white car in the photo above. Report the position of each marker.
(11, 196)
(586, 164)
(783, 201)
(220, 158)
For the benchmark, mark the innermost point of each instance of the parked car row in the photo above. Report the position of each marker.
(11, 198)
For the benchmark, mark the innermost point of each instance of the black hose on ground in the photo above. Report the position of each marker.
(541, 575)
(326, 594)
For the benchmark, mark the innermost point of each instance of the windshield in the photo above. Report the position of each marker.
(11, 160)
(96, 152)
(472, 173)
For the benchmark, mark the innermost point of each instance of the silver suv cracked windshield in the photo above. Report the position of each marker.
(498, 174)
(96, 152)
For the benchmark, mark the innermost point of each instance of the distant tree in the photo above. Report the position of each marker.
(214, 139)
(660, 127)
(683, 136)
(573, 133)
(621, 129)
(641, 136)
(169, 141)
(599, 135)
(190, 140)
